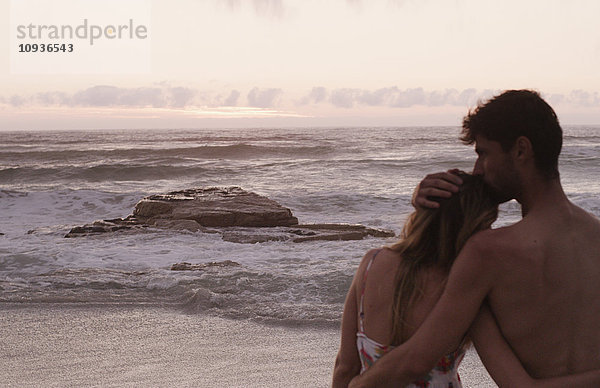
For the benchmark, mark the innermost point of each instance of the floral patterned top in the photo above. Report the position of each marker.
(443, 375)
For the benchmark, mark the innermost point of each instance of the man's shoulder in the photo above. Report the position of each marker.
(494, 250)
(492, 241)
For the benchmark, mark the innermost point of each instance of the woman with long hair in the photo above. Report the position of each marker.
(396, 287)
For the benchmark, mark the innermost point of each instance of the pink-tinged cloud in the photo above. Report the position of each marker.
(395, 97)
(264, 98)
(177, 97)
(232, 99)
(316, 96)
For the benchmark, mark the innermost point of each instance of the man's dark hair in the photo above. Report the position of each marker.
(516, 113)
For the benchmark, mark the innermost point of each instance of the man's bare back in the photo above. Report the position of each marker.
(548, 284)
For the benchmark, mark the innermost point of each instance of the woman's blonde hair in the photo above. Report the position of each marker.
(433, 238)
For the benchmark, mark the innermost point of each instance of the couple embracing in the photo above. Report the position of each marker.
(526, 295)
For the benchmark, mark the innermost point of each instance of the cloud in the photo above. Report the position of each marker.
(104, 96)
(232, 99)
(344, 98)
(583, 98)
(555, 99)
(398, 98)
(378, 97)
(163, 95)
(576, 97)
(317, 95)
(17, 101)
(264, 98)
(467, 97)
(53, 98)
(180, 97)
(406, 98)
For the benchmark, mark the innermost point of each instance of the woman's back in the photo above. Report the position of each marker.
(378, 297)
(375, 319)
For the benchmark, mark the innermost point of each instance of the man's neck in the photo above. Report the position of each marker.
(540, 194)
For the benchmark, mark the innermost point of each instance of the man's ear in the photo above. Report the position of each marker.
(523, 150)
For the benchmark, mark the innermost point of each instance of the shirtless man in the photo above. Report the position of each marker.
(540, 276)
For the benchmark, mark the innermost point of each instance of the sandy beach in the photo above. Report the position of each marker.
(115, 346)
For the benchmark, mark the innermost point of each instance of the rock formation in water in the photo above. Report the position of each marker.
(237, 215)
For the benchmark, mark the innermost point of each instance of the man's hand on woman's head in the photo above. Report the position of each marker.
(441, 184)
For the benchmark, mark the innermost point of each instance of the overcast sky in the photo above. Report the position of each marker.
(319, 62)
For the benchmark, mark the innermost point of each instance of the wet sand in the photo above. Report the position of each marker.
(57, 345)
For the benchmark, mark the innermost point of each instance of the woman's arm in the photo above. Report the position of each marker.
(504, 366)
(347, 363)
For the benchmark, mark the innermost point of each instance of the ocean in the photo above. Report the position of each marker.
(51, 181)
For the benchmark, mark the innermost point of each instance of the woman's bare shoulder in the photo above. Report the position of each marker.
(384, 260)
